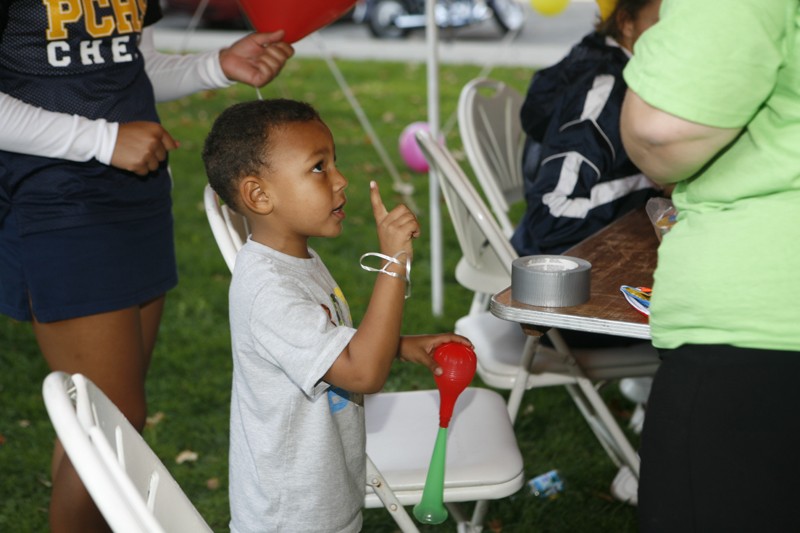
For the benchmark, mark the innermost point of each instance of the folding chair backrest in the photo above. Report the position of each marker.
(490, 128)
(60, 400)
(149, 491)
(485, 247)
(228, 227)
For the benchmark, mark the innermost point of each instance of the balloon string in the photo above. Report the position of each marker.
(508, 38)
(193, 24)
(403, 187)
(389, 261)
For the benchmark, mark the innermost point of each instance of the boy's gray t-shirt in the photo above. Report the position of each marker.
(297, 445)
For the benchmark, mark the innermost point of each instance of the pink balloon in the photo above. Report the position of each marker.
(410, 150)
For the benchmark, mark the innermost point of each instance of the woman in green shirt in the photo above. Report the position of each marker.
(714, 107)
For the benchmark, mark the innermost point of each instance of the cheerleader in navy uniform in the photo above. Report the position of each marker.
(86, 243)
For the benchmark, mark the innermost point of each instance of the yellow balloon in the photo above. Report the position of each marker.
(606, 7)
(549, 7)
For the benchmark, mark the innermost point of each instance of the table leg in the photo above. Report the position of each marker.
(583, 393)
(532, 343)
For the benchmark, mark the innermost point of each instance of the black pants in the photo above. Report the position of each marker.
(721, 442)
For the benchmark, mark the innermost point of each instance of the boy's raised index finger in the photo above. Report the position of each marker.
(378, 209)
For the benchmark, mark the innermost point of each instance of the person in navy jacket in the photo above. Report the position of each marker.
(577, 175)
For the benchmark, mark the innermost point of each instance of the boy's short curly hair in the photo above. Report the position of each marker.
(238, 143)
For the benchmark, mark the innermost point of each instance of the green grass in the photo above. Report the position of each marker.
(189, 381)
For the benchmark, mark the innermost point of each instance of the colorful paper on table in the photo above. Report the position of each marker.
(638, 297)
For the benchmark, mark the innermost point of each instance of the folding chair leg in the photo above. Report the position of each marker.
(462, 524)
(603, 424)
(603, 437)
(480, 303)
(521, 381)
(458, 516)
(617, 439)
(466, 527)
(390, 501)
(596, 413)
(637, 419)
(479, 515)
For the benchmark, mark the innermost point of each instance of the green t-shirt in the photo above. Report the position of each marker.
(729, 270)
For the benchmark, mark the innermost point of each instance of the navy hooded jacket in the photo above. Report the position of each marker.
(578, 177)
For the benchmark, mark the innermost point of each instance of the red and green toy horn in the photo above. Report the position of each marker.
(458, 363)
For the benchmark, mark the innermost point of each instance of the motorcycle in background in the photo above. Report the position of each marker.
(393, 19)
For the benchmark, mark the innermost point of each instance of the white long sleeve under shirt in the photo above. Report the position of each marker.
(29, 129)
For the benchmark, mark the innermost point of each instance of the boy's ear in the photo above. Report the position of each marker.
(254, 194)
(625, 24)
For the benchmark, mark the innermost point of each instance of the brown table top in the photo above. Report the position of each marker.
(622, 253)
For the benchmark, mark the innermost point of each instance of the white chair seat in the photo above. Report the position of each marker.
(488, 279)
(482, 460)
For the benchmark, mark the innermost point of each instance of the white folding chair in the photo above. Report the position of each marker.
(494, 142)
(490, 129)
(228, 227)
(506, 356)
(130, 485)
(483, 459)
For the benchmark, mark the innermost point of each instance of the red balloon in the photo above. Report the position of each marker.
(297, 19)
(458, 363)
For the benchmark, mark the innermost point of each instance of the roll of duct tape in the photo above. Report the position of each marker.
(550, 280)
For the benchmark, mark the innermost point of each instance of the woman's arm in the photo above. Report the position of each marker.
(177, 75)
(136, 146)
(254, 59)
(31, 130)
(665, 147)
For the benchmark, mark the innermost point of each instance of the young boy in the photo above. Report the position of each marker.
(297, 450)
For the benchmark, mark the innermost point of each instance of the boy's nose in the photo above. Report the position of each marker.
(340, 182)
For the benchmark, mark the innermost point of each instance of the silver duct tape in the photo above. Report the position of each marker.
(550, 280)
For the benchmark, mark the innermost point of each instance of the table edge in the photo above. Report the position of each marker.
(549, 319)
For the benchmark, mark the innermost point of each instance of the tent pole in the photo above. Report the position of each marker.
(193, 23)
(432, 39)
(406, 189)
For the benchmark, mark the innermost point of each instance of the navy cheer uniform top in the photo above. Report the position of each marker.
(78, 58)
